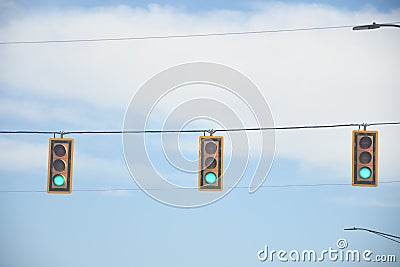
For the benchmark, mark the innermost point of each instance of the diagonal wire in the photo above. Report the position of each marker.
(175, 36)
(388, 236)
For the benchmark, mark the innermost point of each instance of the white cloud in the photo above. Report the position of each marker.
(21, 156)
(308, 77)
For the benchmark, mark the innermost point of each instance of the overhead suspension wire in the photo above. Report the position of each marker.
(62, 133)
(194, 188)
(203, 130)
(175, 36)
(393, 238)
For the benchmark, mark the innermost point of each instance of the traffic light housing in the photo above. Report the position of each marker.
(365, 158)
(59, 179)
(211, 161)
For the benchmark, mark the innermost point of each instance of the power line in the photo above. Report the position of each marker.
(388, 236)
(176, 36)
(204, 130)
(194, 188)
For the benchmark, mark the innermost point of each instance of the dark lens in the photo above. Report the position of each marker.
(59, 150)
(59, 165)
(365, 157)
(365, 142)
(210, 163)
(211, 148)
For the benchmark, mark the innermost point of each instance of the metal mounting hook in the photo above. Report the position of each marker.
(365, 126)
(211, 132)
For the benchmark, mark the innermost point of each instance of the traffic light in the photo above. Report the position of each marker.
(365, 158)
(211, 161)
(59, 179)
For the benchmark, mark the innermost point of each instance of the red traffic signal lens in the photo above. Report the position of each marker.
(211, 148)
(59, 150)
(365, 142)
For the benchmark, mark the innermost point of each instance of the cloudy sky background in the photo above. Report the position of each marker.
(307, 77)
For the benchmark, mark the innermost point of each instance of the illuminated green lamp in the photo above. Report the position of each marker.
(210, 178)
(58, 180)
(365, 172)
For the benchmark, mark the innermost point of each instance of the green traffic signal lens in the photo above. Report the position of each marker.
(58, 180)
(210, 177)
(365, 172)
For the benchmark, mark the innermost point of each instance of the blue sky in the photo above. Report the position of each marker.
(313, 77)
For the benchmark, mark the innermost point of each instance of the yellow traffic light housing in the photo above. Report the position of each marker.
(211, 159)
(365, 158)
(59, 178)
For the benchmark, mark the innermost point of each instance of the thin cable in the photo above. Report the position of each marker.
(190, 188)
(172, 36)
(134, 132)
(383, 123)
(202, 130)
(388, 236)
(397, 241)
(179, 36)
(291, 127)
(28, 132)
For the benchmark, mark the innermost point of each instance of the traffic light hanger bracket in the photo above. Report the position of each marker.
(61, 133)
(365, 125)
(211, 132)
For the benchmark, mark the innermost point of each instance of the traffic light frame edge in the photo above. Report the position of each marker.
(219, 168)
(356, 179)
(66, 172)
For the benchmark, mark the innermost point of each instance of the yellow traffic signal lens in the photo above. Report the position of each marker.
(58, 180)
(365, 157)
(59, 165)
(210, 163)
(210, 178)
(365, 172)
